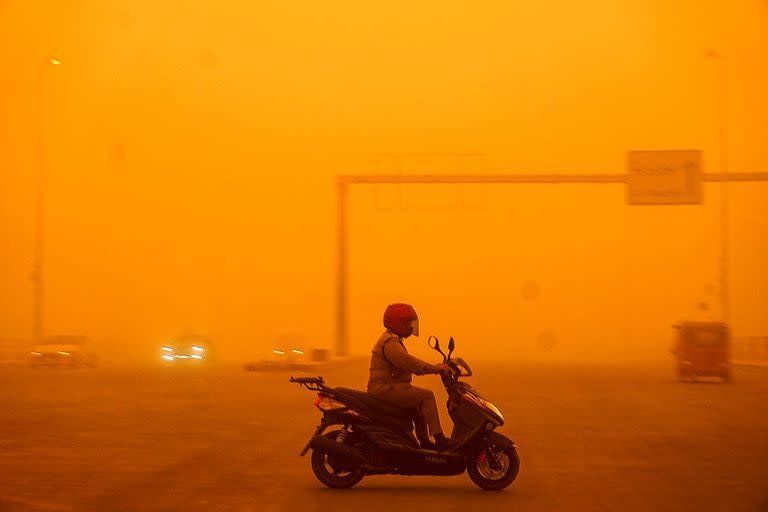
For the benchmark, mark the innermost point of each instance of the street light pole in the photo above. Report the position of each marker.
(722, 62)
(40, 163)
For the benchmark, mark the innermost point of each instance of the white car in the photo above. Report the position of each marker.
(185, 350)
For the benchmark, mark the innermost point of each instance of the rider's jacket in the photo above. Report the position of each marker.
(391, 363)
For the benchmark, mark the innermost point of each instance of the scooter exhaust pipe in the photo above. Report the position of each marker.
(343, 453)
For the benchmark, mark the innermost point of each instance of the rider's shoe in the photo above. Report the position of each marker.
(441, 442)
(426, 444)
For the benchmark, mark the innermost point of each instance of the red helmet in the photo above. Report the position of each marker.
(402, 320)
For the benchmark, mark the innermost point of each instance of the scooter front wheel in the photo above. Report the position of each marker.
(330, 473)
(495, 470)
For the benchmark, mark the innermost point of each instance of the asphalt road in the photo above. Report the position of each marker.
(591, 438)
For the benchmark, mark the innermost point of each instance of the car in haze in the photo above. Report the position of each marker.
(186, 350)
(289, 357)
(62, 350)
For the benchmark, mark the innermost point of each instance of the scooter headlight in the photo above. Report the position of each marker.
(494, 409)
(485, 404)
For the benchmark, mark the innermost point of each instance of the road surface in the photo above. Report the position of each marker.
(591, 437)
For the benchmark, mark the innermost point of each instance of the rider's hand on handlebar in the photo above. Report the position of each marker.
(439, 369)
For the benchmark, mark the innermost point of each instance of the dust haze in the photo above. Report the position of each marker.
(171, 168)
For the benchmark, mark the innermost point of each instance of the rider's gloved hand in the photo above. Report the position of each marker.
(433, 368)
(440, 369)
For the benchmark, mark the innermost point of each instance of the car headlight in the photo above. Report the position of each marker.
(167, 349)
(197, 349)
(167, 357)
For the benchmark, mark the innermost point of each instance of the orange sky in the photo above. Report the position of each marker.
(190, 152)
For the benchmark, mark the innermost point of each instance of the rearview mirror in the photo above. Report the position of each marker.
(436, 346)
(451, 346)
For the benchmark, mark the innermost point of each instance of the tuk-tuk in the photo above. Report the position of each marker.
(702, 349)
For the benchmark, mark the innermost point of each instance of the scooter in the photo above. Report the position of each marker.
(377, 438)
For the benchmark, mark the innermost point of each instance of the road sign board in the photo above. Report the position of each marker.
(664, 177)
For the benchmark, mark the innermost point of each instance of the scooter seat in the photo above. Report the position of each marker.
(378, 406)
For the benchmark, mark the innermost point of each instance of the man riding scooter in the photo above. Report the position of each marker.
(392, 368)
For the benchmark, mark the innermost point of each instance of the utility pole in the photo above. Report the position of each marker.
(722, 64)
(39, 225)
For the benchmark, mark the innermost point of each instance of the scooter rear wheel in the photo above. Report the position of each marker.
(331, 474)
(497, 472)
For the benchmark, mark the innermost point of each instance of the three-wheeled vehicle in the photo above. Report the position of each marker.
(702, 349)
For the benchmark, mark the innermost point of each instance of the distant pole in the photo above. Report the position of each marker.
(39, 225)
(37, 269)
(722, 63)
(342, 332)
(724, 198)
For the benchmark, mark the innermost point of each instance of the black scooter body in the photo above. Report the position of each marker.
(378, 439)
(382, 451)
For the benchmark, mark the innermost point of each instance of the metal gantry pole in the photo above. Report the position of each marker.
(342, 331)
